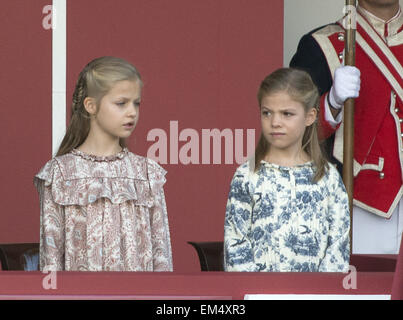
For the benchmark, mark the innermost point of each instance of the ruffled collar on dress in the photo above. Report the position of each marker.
(279, 167)
(116, 156)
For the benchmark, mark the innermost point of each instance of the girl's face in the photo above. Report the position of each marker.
(284, 121)
(118, 110)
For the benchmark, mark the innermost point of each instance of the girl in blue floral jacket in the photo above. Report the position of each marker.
(287, 208)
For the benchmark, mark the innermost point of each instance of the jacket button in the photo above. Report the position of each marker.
(340, 37)
(381, 175)
(396, 110)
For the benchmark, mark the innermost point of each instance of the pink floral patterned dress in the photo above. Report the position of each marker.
(103, 214)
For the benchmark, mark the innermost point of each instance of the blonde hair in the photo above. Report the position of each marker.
(299, 86)
(95, 80)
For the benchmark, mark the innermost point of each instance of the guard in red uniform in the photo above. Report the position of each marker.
(376, 82)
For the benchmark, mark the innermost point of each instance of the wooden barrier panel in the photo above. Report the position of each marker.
(211, 285)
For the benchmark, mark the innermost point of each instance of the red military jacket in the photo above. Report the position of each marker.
(378, 118)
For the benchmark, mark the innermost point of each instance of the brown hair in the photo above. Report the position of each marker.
(299, 86)
(95, 80)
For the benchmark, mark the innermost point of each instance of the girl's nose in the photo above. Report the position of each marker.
(133, 110)
(276, 120)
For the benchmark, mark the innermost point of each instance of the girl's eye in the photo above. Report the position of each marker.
(137, 104)
(265, 113)
(288, 114)
(121, 104)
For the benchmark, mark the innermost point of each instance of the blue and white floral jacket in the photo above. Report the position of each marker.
(277, 219)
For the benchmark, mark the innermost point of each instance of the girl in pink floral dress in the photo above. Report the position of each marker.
(103, 207)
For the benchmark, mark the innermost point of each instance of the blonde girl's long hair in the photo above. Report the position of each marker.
(299, 86)
(95, 80)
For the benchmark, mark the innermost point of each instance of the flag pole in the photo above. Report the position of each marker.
(348, 117)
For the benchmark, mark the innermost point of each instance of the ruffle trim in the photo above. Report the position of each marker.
(118, 190)
(119, 155)
(85, 191)
(308, 164)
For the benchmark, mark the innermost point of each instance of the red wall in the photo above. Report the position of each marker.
(25, 115)
(201, 62)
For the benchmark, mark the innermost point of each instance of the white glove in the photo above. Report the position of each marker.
(346, 84)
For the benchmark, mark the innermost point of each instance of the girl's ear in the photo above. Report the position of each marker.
(311, 117)
(90, 105)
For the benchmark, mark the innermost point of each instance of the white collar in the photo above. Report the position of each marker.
(393, 24)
